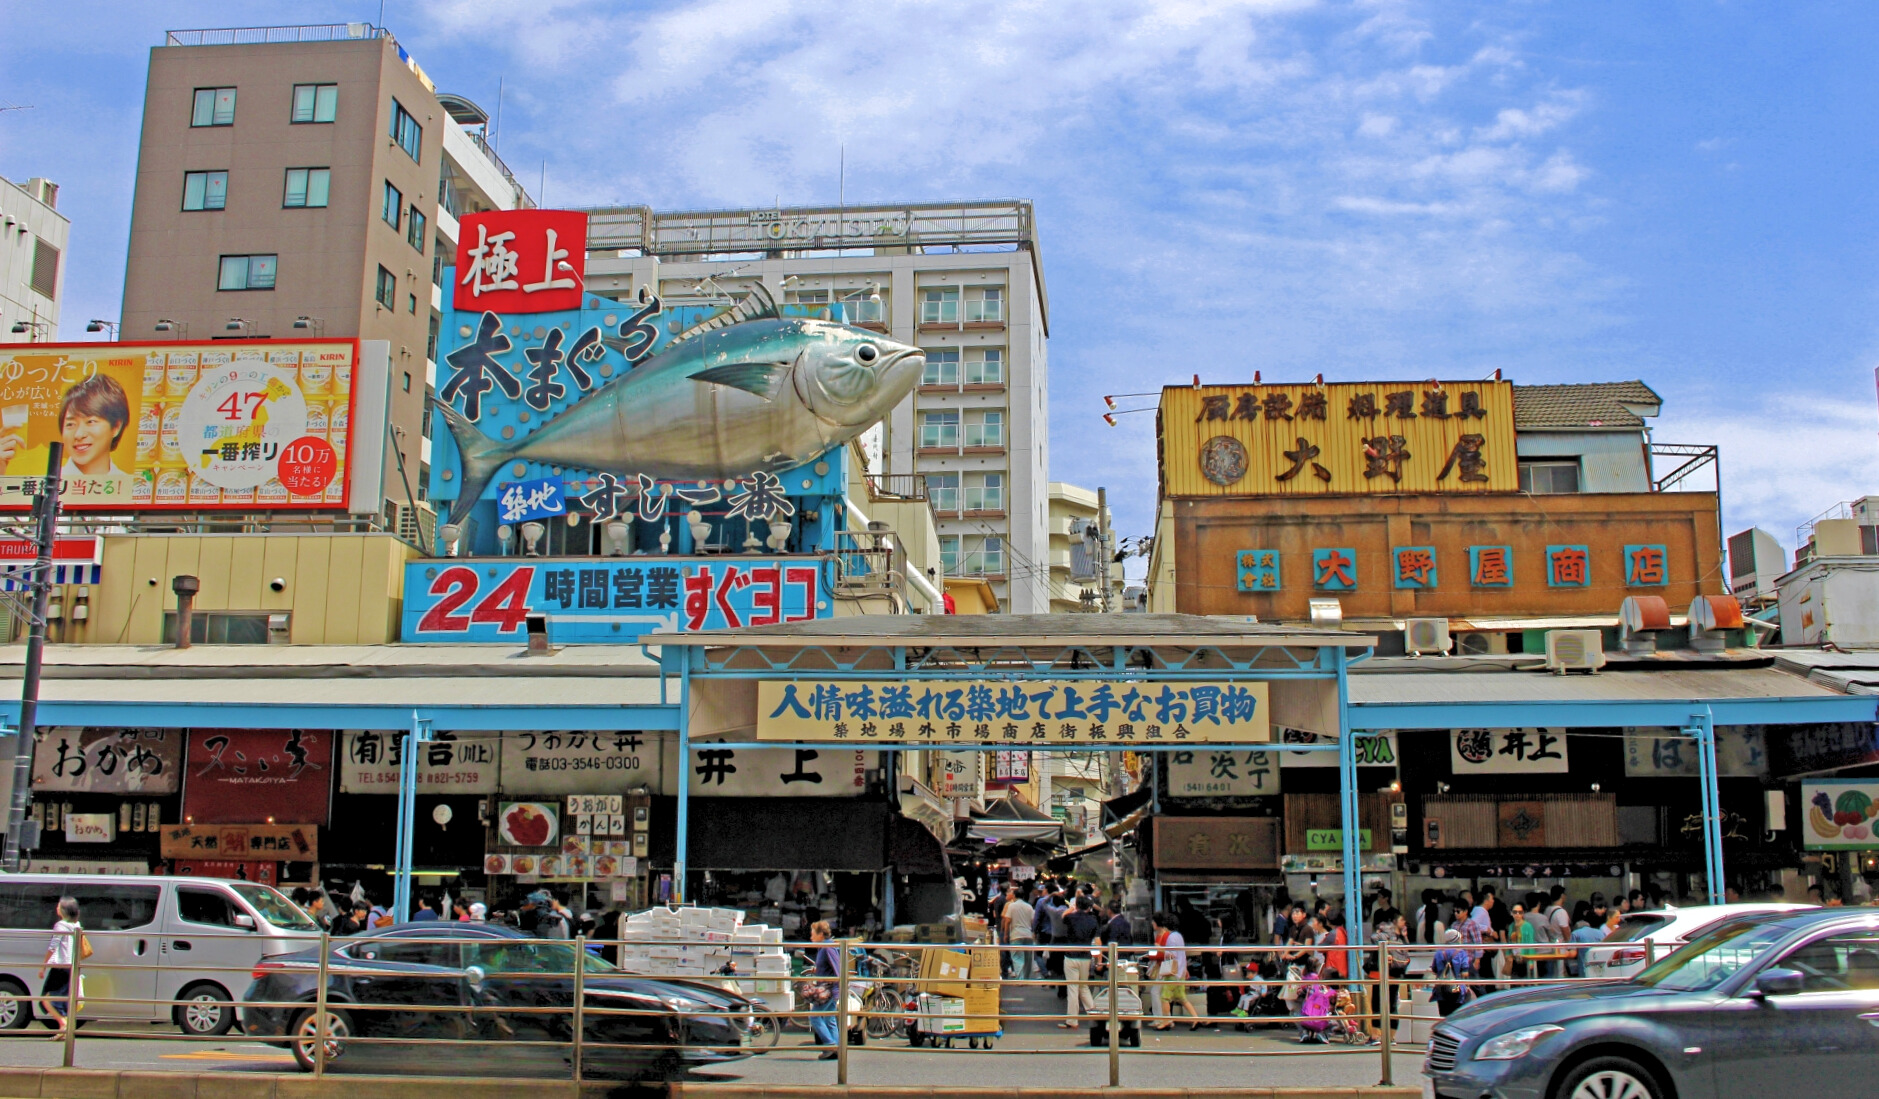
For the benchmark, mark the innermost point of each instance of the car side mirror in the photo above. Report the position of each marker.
(1779, 982)
(475, 975)
(246, 923)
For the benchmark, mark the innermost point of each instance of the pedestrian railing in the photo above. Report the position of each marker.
(339, 996)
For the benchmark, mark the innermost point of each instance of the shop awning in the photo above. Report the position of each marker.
(1478, 694)
(347, 687)
(1013, 818)
(917, 803)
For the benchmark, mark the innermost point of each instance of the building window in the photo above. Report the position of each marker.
(387, 292)
(411, 304)
(939, 305)
(407, 381)
(942, 491)
(806, 297)
(45, 268)
(985, 492)
(246, 273)
(987, 367)
(942, 366)
(222, 628)
(315, 102)
(417, 231)
(205, 190)
(989, 305)
(405, 130)
(949, 554)
(939, 429)
(214, 107)
(978, 556)
(392, 207)
(1549, 478)
(985, 429)
(307, 186)
(862, 309)
(430, 345)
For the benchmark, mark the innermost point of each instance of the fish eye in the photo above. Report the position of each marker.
(867, 353)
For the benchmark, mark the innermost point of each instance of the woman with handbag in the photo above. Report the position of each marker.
(56, 970)
(1451, 969)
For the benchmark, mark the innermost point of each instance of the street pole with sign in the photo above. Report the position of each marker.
(46, 512)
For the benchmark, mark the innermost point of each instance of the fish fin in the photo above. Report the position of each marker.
(479, 459)
(762, 379)
(756, 305)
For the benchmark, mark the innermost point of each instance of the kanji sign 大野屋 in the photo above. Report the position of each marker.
(1037, 712)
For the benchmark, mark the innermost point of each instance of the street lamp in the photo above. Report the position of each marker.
(317, 324)
(97, 325)
(181, 328)
(37, 328)
(239, 324)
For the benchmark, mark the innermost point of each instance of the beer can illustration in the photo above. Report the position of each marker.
(342, 380)
(170, 447)
(316, 378)
(172, 485)
(318, 418)
(141, 486)
(272, 492)
(238, 496)
(153, 376)
(203, 491)
(181, 375)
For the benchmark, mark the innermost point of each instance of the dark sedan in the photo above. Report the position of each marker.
(1753, 1008)
(506, 994)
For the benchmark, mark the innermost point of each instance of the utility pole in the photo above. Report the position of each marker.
(47, 507)
(1102, 542)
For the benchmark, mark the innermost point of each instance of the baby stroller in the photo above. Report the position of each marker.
(1346, 1026)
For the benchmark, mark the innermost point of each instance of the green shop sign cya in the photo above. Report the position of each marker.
(1332, 839)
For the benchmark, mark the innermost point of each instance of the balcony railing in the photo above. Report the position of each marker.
(255, 36)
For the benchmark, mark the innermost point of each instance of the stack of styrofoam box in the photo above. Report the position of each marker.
(941, 1014)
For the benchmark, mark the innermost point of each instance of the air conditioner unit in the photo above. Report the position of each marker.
(1574, 651)
(1425, 635)
(412, 522)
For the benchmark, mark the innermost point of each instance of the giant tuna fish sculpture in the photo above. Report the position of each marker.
(747, 390)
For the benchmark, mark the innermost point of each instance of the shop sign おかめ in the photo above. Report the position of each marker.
(109, 761)
(1033, 713)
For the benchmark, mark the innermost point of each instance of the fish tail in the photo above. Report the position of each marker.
(479, 456)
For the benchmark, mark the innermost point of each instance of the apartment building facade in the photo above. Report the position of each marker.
(33, 235)
(963, 281)
(1076, 561)
(306, 181)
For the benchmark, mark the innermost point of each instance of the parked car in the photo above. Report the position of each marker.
(154, 940)
(1644, 936)
(497, 983)
(1775, 1004)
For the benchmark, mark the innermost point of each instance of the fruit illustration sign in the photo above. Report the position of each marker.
(1840, 815)
(528, 824)
(233, 425)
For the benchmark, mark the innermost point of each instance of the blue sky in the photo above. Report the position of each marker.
(1679, 191)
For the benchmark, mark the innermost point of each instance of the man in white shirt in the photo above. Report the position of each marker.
(1015, 928)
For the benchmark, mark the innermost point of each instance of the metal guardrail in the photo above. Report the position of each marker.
(246, 36)
(878, 999)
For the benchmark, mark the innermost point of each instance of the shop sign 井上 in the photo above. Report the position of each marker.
(448, 763)
(237, 775)
(576, 761)
(1840, 815)
(1652, 752)
(779, 772)
(1530, 751)
(1372, 749)
(109, 761)
(1222, 773)
(241, 842)
(1041, 713)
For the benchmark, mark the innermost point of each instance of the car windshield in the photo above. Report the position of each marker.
(1633, 928)
(273, 907)
(1712, 957)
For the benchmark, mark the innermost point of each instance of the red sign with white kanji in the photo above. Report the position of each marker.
(521, 261)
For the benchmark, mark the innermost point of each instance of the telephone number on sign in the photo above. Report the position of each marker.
(425, 778)
(582, 763)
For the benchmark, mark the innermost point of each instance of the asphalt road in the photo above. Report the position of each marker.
(1031, 1052)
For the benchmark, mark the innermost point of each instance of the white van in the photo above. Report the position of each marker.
(154, 939)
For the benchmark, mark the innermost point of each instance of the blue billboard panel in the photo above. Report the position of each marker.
(607, 600)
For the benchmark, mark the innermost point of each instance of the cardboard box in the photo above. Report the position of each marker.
(984, 966)
(977, 930)
(981, 1009)
(944, 972)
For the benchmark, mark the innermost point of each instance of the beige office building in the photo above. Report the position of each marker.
(32, 269)
(964, 281)
(306, 181)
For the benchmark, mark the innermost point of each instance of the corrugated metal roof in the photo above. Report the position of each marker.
(329, 661)
(1656, 685)
(420, 693)
(1588, 404)
(980, 630)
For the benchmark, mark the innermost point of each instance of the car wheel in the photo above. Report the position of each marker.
(1609, 1078)
(306, 1031)
(206, 1012)
(16, 1005)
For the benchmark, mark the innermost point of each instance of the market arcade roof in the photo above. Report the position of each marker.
(1018, 630)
